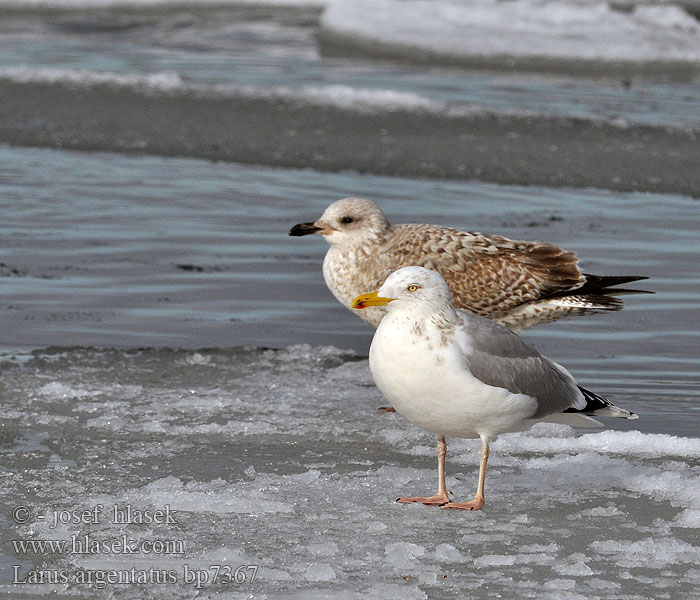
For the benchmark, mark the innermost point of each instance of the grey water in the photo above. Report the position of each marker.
(636, 133)
(108, 250)
(164, 342)
(275, 46)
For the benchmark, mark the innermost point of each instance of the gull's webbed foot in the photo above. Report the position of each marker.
(437, 499)
(474, 504)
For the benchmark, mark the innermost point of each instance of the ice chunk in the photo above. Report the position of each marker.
(451, 29)
(323, 549)
(270, 574)
(602, 584)
(548, 548)
(561, 584)
(387, 591)
(216, 496)
(448, 553)
(403, 554)
(197, 359)
(494, 560)
(577, 569)
(60, 391)
(661, 552)
(608, 442)
(307, 477)
(690, 517)
(319, 572)
(599, 512)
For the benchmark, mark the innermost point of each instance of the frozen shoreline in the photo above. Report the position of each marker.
(188, 358)
(573, 37)
(279, 459)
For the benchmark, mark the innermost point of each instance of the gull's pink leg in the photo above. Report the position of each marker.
(442, 494)
(478, 500)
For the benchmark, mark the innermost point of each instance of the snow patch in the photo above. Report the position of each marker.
(662, 552)
(216, 496)
(520, 28)
(319, 572)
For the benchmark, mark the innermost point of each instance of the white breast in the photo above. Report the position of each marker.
(428, 382)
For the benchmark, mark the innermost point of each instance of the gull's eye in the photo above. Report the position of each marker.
(346, 220)
(412, 288)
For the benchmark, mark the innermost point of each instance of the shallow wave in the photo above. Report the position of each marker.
(165, 81)
(530, 30)
(340, 96)
(344, 97)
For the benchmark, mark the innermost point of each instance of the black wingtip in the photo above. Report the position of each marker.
(601, 289)
(597, 406)
(596, 283)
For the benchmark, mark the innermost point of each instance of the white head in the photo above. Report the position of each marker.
(347, 222)
(417, 289)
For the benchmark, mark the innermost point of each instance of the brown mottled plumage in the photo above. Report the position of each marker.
(518, 284)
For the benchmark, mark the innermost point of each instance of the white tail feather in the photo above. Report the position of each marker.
(573, 419)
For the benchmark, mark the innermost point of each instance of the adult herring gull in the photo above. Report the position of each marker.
(458, 374)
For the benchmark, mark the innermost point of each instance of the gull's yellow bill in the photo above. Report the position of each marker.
(367, 300)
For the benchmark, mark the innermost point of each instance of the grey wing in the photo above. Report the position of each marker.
(500, 358)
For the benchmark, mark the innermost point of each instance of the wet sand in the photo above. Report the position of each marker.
(492, 147)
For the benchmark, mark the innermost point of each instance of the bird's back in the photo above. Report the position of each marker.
(488, 275)
(491, 276)
(501, 358)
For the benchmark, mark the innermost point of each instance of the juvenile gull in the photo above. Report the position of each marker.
(458, 374)
(518, 284)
